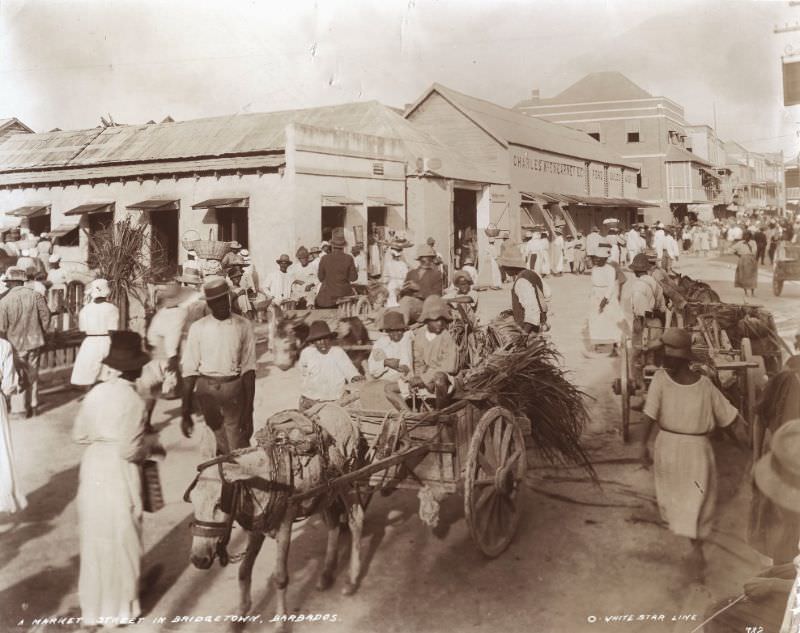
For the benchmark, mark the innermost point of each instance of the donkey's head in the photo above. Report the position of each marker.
(214, 495)
(287, 341)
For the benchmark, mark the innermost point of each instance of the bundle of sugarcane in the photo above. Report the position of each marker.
(736, 319)
(527, 378)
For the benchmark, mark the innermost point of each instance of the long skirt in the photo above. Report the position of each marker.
(90, 359)
(606, 326)
(686, 483)
(746, 272)
(11, 499)
(497, 279)
(110, 525)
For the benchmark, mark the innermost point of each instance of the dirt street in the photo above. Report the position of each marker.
(583, 553)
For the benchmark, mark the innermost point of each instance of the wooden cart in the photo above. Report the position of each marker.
(786, 268)
(462, 448)
(707, 346)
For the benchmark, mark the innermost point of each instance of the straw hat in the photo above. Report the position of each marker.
(215, 288)
(510, 257)
(640, 263)
(777, 473)
(400, 244)
(393, 320)
(338, 241)
(126, 352)
(284, 259)
(99, 288)
(434, 307)
(234, 246)
(315, 250)
(461, 275)
(319, 330)
(173, 294)
(676, 342)
(426, 251)
(15, 274)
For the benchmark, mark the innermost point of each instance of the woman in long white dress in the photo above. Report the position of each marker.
(395, 270)
(111, 422)
(96, 319)
(11, 499)
(605, 314)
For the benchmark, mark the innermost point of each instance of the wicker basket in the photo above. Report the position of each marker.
(491, 231)
(211, 249)
(190, 239)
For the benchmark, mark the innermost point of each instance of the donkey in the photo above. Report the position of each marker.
(233, 488)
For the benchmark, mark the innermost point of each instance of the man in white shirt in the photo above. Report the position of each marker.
(735, 233)
(592, 242)
(671, 251)
(219, 358)
(659, 244)
(634, 242)
(360, 258)
(529, 295)
(304, 278)
(278, 284)
(391, 358)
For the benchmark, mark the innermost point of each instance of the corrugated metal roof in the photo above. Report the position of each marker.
(510, 126)
(240, 134)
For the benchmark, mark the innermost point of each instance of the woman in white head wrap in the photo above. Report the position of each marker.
(96, 319)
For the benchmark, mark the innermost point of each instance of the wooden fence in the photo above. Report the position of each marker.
(64, 338)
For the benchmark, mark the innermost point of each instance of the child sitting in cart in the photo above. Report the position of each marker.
(462, 289)
(391, 359)
(325, 369)
(435, 353)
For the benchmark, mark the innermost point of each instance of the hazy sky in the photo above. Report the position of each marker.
(64, 63)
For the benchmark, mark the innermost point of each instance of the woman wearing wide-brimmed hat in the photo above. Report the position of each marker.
(686, 407)
(111, 423)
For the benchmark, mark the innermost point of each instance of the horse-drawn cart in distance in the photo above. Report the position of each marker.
(736, 345)
(787, 267)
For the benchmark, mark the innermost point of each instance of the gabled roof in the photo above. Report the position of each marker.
(224, 136)
(677, 154)
(508, 126)
(7, 123)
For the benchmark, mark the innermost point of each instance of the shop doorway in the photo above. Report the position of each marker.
(376, 233)
(332, 218)
(164, 245)
(232, 226)
(39, 224)
(465, 225)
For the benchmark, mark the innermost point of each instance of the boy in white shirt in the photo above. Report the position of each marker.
(325, 369)
(391, 359)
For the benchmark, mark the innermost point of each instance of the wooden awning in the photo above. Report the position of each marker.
(221, 203)
(380, 201)
(33, 211)
(338, 201)
(156, 205)
(62, 229)
(92, 207)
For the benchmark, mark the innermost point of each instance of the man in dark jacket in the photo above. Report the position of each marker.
(337, 271)
(421, 283)
(760, 238)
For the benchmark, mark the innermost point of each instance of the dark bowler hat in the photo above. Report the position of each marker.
(126, 352)
(319, 330)
(640, 263)
(393, 320)
(215, 288)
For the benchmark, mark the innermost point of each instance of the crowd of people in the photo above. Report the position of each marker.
(201, 347)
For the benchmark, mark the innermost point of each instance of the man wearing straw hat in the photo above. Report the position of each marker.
(529, 294)
(232, 256)
(421, 283)
(435, 354)
(219, 359)
(304, 278)
(24, 319)
(278, 284)
(395, 270)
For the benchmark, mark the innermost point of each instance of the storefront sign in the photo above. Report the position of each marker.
(615, 182)
(540, 172)
(597, 180)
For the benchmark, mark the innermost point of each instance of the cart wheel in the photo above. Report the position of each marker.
(777, 286)
(625, 387)
(749, 382)
(495, 469)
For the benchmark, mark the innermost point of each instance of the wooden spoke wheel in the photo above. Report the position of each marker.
(777, 286)
(626, 386)
(748, 379)
(495, 470)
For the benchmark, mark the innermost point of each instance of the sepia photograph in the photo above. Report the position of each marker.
(400, 316)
